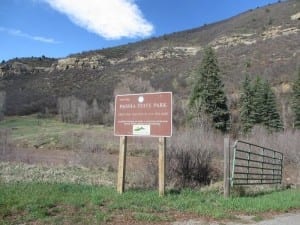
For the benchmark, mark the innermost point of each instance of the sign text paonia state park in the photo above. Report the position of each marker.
(145, 114)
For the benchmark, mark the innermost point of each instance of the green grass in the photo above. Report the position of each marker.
(53, 203)
(29, 131)
(68, 195)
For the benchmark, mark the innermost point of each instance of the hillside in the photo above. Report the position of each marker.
(264, 41)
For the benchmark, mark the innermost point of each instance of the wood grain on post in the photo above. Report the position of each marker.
(162, 165)
(122, 164)
(226, 167)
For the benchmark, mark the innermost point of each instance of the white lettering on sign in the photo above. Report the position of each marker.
(127, 106)
(145, 106)
(160, 105)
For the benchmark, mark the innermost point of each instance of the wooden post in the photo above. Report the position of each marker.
(162, 165)
(122, 164)
(226, 167)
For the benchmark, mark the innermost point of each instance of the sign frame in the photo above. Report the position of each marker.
(144, 125)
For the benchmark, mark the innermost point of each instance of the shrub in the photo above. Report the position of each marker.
(74, 110)
(287, 142)
(2, 104)
(133, 84)
(190, 157)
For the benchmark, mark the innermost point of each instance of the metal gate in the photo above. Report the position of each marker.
(254, 164)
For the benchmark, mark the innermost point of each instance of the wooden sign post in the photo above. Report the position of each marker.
(122, 164)
(162, 165)
(146, 115)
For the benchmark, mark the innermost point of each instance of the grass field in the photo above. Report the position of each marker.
(62, 203)
(36, 194)
(29, 131)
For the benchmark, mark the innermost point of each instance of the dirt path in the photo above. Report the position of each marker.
(282, 219)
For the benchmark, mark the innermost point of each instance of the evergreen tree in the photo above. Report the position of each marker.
(258, 106)
(296, 101)
(270, 115)
(207, 95)
(246, 106)
(258, 100)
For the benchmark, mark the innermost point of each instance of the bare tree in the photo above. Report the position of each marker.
(2, 103)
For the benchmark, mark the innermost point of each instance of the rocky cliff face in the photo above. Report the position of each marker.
(99, 61)
(265, 42)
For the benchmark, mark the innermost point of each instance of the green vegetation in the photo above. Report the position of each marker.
(246, 107)
(207, 95)
(29, 131)
(296, 101)
(49, 203)
(258, 106)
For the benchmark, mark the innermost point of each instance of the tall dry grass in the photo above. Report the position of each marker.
(5, 143)
(287, 142)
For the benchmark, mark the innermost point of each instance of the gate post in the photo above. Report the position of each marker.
(226, 167)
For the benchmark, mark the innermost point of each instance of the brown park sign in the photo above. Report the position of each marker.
(145, 114)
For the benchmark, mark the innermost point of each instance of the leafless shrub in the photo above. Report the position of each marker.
(108, 118)
(130, 84)
(74, 110)
(190, 156)
(287, 142)
(133, 84)
(2, 103)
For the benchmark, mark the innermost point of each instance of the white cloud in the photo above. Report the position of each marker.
(111, 19)
(20, 33)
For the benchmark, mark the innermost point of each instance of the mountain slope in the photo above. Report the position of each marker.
(264, 41)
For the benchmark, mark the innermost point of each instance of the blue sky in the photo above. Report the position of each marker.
(57, 28)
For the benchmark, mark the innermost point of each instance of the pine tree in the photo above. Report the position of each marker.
(246, 106)
(296, 101)
(207, 95)
(258, 100)
(258, 106)
(270, 115)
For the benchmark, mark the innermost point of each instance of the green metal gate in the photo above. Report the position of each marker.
(254, 164)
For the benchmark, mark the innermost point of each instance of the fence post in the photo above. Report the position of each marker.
(226, 167)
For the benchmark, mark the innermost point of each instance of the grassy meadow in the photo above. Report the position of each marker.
(65, 203)
(75, 194)
(30, 131)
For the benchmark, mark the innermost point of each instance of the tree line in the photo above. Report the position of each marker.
(257, 105)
